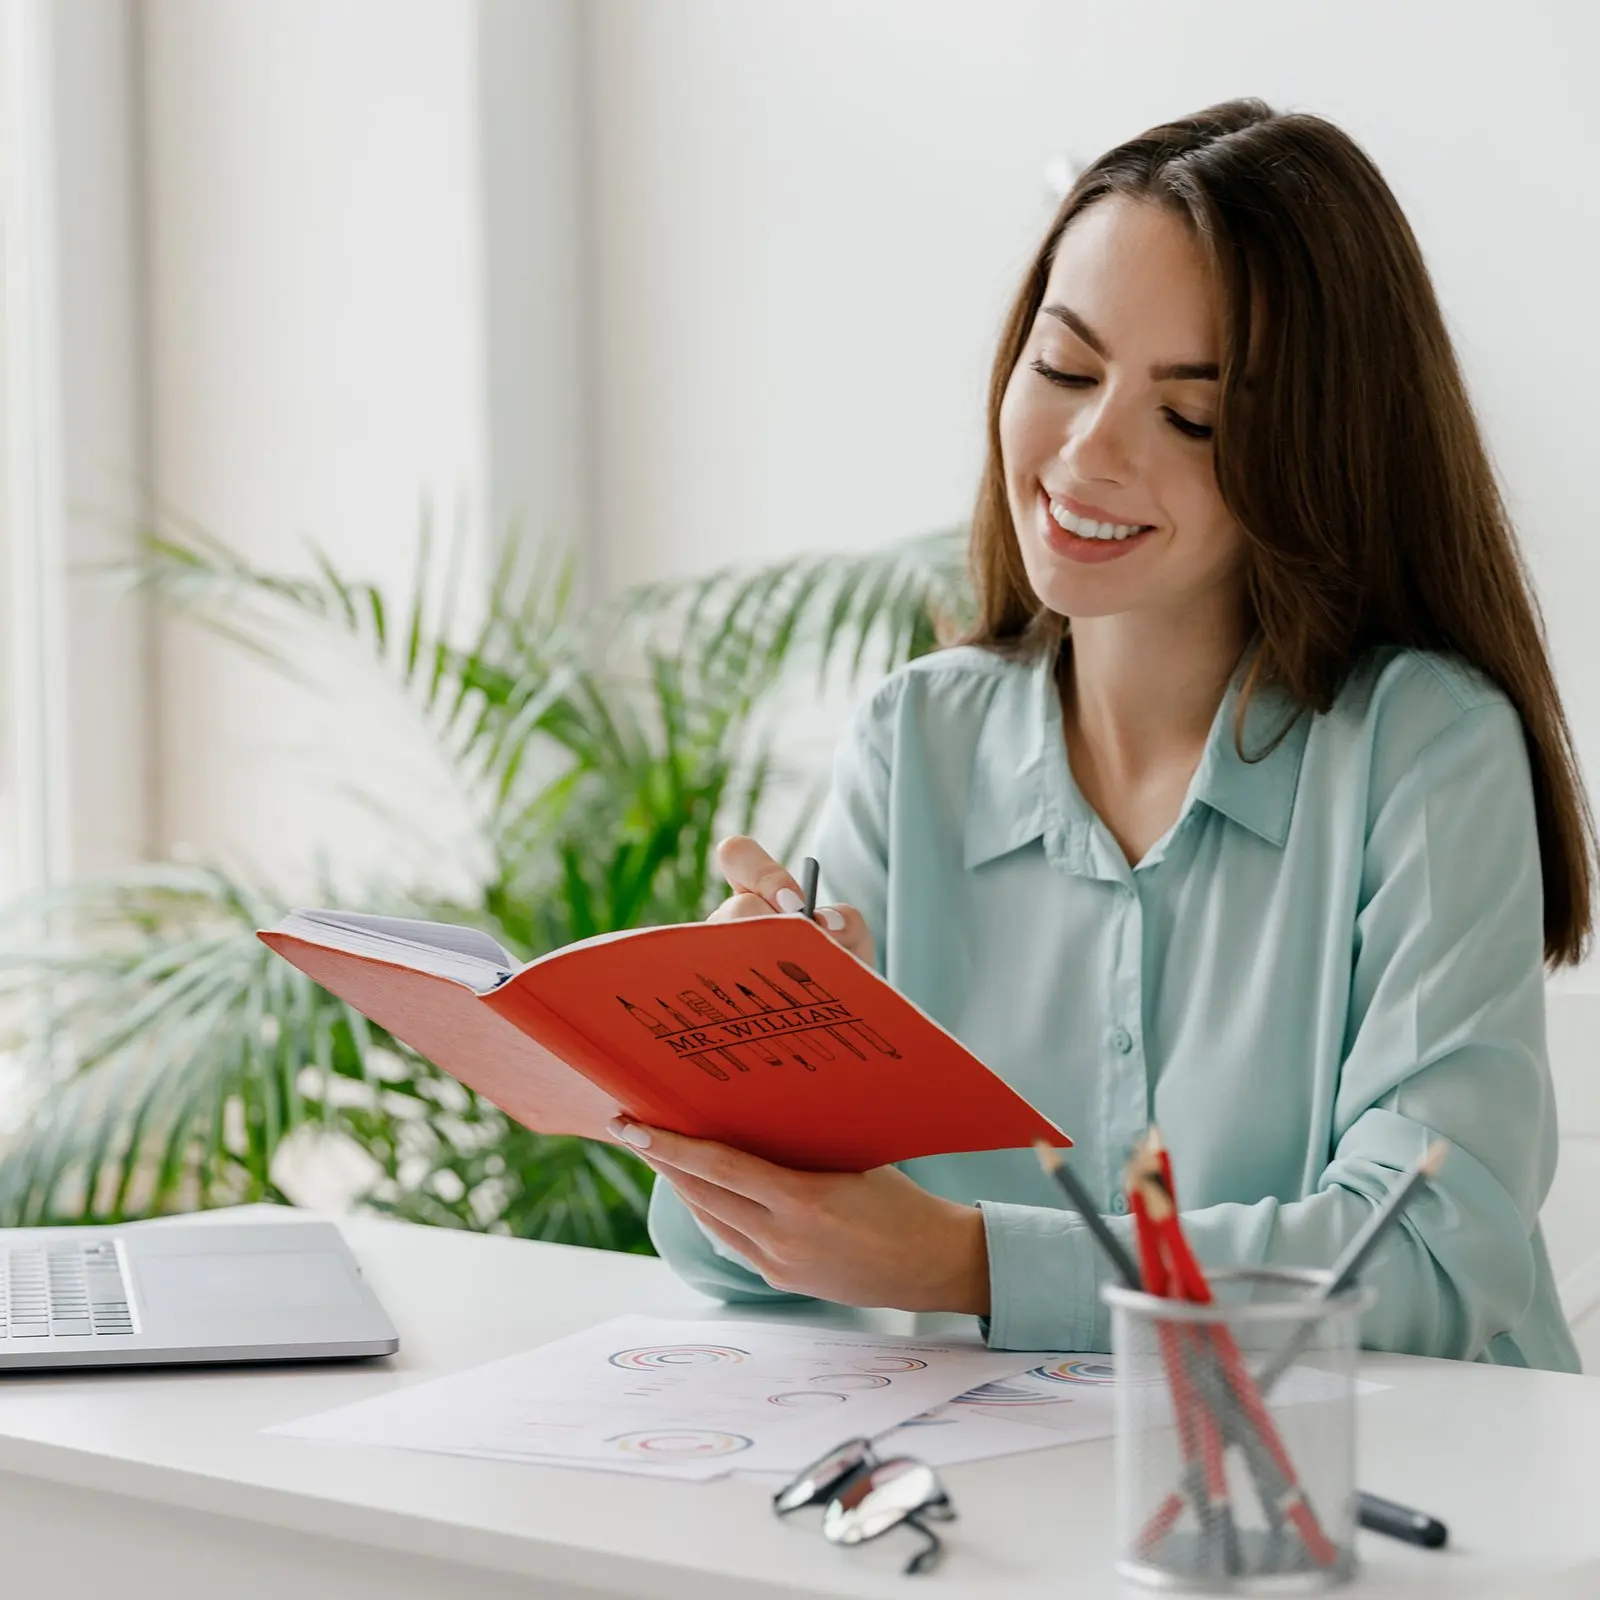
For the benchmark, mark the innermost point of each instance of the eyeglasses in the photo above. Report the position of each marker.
(866, 1496)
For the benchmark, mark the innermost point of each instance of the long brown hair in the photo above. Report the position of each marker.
(1346, 445)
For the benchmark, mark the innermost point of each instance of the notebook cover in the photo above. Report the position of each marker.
(761, 1033)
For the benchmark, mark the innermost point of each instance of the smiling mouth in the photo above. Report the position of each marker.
(1088, 528)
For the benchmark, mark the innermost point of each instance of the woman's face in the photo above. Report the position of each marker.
(1106, 422)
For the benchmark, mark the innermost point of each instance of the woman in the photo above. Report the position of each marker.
(1248, 807)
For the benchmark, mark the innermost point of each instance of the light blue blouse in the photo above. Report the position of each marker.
(1333, 957)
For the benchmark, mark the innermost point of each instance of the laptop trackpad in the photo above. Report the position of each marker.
(277, 1280)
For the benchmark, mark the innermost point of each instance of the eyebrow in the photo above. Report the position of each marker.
(1206, 370)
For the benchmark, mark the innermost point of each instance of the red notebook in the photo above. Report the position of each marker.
(762, 1033)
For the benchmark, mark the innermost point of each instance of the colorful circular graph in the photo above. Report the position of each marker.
(1096, 1374)
(890, 1364)
(679, 1444)
(807, 1397)
(852, 1380)
(656, 1357)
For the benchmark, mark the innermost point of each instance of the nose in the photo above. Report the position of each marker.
(1096, 445)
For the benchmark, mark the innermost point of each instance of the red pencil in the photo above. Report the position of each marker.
(1153, 1167)
(1202, 1441)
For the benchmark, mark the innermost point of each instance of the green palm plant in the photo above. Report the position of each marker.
(607, 753)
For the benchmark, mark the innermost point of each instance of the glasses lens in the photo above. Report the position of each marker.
(823, 1476)
(881, 1498)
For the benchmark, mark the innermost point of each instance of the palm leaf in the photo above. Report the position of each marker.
(184, 1054)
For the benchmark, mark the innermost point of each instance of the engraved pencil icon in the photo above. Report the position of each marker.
(707, 1012)
(793, 970)
(643, 1017)
(723, 998)
(761, 1005)
(789, 999)
(661, 1030)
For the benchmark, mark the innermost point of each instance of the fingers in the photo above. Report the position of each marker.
(740, 905)
(749, 869)
(730, 1236)
(718, 1164)
(763, 885)
(730, 1209)
(845, 925)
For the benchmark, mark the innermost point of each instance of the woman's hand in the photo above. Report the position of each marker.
(858, 1238)
(762, 886)
(866, 1238)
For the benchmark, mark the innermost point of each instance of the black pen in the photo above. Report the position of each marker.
(809, 873)
(1399, 1522)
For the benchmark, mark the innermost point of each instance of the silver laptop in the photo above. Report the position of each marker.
(181, 1292)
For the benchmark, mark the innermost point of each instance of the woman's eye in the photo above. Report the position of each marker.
(1067, 380)
(1191, 430)
(1076, 380)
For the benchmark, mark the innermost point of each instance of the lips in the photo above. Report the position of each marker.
(1090, 550)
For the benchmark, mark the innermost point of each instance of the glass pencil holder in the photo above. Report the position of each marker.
(1235, 1443)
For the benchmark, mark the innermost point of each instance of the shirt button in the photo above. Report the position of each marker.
(1119, 1203)
(1121, 1041)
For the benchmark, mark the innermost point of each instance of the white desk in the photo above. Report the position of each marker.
(139, 1485)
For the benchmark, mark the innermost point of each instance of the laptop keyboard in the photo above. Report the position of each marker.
(63, 1291)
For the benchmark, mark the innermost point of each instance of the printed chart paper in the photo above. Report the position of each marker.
(674, 1398)
(1065, 1400)
(1073, 1396)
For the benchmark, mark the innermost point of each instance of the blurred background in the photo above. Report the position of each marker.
(463, 456)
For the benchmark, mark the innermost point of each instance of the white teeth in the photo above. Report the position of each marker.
(1087, 528)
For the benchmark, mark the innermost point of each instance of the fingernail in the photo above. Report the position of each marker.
(630, 1133)
(829, 918)
(788, 900)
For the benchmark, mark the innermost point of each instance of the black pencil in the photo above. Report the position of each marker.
(1083, 1203)
(1356, 1255)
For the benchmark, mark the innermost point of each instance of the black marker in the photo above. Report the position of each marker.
(1399, 1522)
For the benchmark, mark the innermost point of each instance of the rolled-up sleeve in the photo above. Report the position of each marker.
(1444, 1038)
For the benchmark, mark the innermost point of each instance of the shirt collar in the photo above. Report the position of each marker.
(1257, 789)
(1022, 789)
(1008, 799)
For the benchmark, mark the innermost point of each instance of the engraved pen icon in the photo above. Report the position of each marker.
(793, 970)
(761, 1005)
(789, 999)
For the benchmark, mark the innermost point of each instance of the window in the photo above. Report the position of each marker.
(32, 735)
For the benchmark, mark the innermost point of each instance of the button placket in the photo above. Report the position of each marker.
(1130, 1096)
